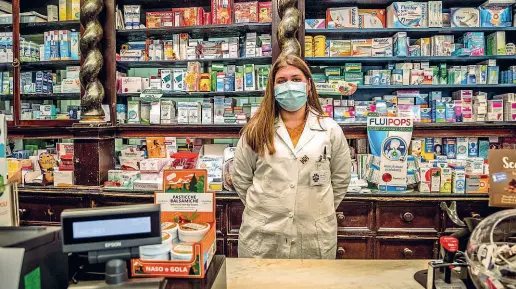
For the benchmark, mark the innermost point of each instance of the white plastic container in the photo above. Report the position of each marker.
(158, 252)
(193, 232)
(182, 252)
(171, 228)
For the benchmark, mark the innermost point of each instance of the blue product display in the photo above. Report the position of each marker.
(496, 16)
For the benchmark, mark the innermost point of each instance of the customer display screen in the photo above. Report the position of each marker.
(114, 227)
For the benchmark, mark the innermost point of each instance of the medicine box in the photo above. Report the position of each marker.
(401, 44)
(131, 84)
(315, 24)
(407, 15)
(435, 14)
(371, 18)
(340, 48)
(361, 47)
(343, 17)
(458, 182)
(464, 17)
(382, 47)
(133, 111)
(496, 43)
(495, 16)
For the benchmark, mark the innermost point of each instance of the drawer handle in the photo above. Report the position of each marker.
(340, 216)
(341, 251)
(408, 217)
(409, 254)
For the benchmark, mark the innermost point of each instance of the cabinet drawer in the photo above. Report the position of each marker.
(407, 216)
(354, 248)
(232, 248)
(235, 211)
(355, 215)
(220, 220)
(48, 209)
(393, 248)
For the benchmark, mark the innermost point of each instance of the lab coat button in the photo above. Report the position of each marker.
(290, 215)
(292, 186)
(293, 242)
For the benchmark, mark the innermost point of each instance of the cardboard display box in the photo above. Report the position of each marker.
(502, 178)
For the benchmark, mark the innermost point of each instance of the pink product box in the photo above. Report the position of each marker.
(478, 52)
(458, 109)
(467, 113)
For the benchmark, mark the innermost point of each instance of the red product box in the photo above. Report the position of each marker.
(159, 19)
(221, 12)
(192, 16)
(207, 18)
(246, 12)
(265, 12)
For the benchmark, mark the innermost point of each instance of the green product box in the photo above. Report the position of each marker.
(353, 67)
(496, 43)
(435, 75)
(443, 74)
(218, 67)
(332, 71)
(335, 78)
(214, 81)
(319, 78)
(356, 77)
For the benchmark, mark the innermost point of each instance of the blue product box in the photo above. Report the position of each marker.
(74, 45)
(439, 108)
(435, 95)
(475, 41)
(39, 81)
(462, 52)
(496, 16)
(450, 147)
(426, 114)
(401, 44)
(492, 74)
(472, 147)
(483, 148)
(450, 112)
(229, 81)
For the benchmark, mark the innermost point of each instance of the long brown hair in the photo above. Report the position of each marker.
(259, 132)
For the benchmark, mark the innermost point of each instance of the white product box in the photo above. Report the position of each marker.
(465, 17)
(155, 112)
(407, 15)
(342, 17)
(462, 148)
(131, 84)
(71, 85)
(435, 13)
(218, 109)
(166, 80)
(249, 77)
(194, 113)
(133, 111)
(155, 83)
(382, 47)
(179, 79)
(458, 182)
(182, 112)
(168, 111)
(207, 113)
(63, 178)
(52, 13)
(73, 71)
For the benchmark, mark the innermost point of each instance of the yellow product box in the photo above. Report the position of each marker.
(63, 15)
(361, 47)
(339, 48)
(73, 9)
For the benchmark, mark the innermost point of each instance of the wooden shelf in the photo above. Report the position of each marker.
(196, 131)
(411, 32)
(384, 60)
(51, 96)
(57, 64)
(491, 87)
(40, 27)
(181, 63)
(204, 30)
(186, 94)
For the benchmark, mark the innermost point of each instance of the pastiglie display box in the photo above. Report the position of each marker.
(183, 209)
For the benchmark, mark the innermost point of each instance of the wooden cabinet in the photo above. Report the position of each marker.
(355, 248)
(221, 246)
(232, 251)
(47, 210)
(466, 209)
(399, 216)
(234, 215)
(408, 248)
(220, 220)
(355, 216)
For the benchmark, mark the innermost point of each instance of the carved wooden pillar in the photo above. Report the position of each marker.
(91, 100)
(288, 27)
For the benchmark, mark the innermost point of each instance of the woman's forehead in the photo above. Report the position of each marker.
(288, 71)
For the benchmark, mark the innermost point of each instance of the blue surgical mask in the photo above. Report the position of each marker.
(290, 95)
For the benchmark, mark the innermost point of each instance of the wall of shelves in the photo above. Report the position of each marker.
(363, 226)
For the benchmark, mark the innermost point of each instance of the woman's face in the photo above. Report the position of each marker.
(291, 73)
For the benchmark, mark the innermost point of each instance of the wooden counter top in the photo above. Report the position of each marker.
(322, 274)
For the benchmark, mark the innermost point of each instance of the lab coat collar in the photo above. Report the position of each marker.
(312, 124)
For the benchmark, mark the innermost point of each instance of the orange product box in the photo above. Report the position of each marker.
(246, 12)
(156, 147)
(192, 16)
(185, 181)
(265, 12)
(159, 19)
(371, 18)
(183, 217)
(221, 12)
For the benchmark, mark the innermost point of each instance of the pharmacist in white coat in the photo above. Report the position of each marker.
(291, 170)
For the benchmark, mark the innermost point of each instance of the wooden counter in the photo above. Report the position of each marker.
(323, 274)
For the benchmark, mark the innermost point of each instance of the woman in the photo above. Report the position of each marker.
(291, 170)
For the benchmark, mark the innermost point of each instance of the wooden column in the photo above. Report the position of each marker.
(16, 62)
(94, 155)
(276, 49)
(108, 47)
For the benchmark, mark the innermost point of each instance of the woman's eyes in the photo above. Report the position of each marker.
(280, 81)
(296, 80)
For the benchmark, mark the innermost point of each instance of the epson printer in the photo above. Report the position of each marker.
(32, 257)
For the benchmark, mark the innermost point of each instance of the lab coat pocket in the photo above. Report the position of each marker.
(327, 236)
(253, 241)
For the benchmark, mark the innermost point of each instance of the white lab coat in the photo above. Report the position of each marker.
(284, 216)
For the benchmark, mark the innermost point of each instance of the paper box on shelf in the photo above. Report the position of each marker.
(265, 12)
(141, 185)
(458, 182)
(343, 17)
(495, 16)
(210, 158)
(407, 15)
(221, 12)
(73, 9)
(246, 12)
(435, 14)
(131, 84)
(133, 111)
(464, 17)
(496, 44)
(315, 24)
(63, 178)
(371, 18)
(184, 181)
(194, 216)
